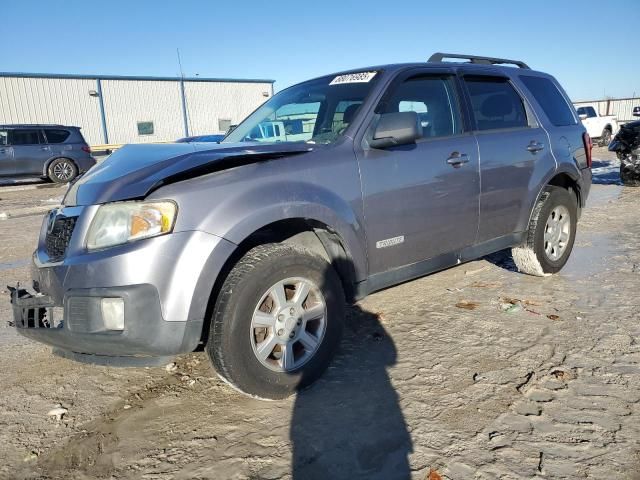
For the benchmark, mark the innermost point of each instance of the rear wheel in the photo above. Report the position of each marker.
(62, 170)
(551, 234)
(277, 322)
(605, 138)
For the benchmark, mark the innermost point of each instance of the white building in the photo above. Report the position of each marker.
(123, 109)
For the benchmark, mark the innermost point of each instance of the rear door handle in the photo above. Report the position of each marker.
(457, 159)
(534, 146)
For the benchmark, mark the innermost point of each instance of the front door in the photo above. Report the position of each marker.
(29, 151)
(421, 200)
(7, 165)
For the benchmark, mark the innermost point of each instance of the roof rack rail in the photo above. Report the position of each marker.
(438, 58)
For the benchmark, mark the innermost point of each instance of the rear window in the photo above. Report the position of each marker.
(24, 137)
(550, 99)
(56, 135)
(495, 103)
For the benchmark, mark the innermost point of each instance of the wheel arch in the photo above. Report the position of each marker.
(312, 234)
(564, 177)
(45, 170)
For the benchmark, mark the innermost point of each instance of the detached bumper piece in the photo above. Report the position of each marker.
(34, 311)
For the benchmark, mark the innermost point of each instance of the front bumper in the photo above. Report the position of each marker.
(164, 283)
(77, 330)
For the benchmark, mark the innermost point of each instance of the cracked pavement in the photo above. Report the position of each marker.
(475, 372)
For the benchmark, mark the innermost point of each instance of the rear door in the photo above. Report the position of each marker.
(421, 200)
(514, 148)
(7, 165)
(29, 150)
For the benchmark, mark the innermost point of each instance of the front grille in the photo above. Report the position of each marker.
(59, 236)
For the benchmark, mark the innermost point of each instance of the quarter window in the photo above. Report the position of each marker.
(550, 99)
(432, 98)
(495, 103)
(56, 136)
(24, 137)
(3, 137)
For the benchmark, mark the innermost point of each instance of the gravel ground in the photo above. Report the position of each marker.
(474, 372)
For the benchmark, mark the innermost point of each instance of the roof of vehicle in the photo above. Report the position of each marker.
(481, 64)
(36, 125)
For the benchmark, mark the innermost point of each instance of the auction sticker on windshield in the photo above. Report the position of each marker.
(360, 77)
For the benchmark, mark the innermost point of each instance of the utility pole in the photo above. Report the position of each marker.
(183, 96)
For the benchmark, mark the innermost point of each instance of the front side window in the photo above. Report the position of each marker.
(56, 135)
(318, 111)
(24, 137)
(550, 99)
(495, 103)
(432, 98)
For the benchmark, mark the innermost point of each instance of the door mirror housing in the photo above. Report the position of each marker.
(583, 116)
(398, 128)
(636, 111)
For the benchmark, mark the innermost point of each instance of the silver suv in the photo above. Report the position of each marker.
(56, 152)
(333, 189)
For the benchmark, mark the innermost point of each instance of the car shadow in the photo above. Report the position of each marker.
(349, 424)
(502, 259)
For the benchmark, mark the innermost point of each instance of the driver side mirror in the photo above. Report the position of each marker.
(398, 128)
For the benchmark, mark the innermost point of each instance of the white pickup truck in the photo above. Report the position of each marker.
(601, 129)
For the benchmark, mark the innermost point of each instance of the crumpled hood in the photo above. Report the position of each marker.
(134, 171)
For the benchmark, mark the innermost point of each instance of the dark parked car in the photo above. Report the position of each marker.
(57, 152)
(252, 246)
(201, 138)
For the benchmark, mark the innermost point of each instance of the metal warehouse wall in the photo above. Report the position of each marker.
(37, 98)
(208, 103)
(51, 100)
(127, 102)
(622, 108)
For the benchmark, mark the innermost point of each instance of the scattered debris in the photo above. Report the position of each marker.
(477, 270)
(433, 475)
(127, 407)
(171, 367)
(33, 455)
(553, 317)
(58, 411)
(486, 284)
(465, 304)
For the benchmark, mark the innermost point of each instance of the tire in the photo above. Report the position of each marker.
(605, 138)
(62, 170)
(537, 256)
(236, 343)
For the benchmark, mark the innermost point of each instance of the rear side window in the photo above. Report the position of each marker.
(433, 98)
(550, 99)
(3, 137)
(56, 135)
(24, 137)
(495, 103)
(588, 111)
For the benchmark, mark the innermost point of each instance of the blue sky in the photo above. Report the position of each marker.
(289, 41)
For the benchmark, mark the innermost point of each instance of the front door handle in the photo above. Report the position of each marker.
(457, 159)
(534, 146)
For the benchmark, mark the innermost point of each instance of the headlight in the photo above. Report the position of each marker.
(118, 223)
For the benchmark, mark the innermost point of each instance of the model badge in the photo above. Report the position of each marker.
(390, 242)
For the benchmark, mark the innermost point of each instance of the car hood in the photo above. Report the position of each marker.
(134, 171)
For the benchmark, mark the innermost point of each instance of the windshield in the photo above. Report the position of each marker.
(318, 111)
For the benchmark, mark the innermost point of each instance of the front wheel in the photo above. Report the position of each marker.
(605, 138)
(277, 321)
(552, 231)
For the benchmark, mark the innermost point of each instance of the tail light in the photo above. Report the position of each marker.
(86, 148)
(588, 147)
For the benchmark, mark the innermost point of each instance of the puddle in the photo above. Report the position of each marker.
(590, 255)
(601, 195)
(22, 262)
(606, 172)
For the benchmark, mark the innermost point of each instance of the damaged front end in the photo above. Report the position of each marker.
(34, 311)
(626, 145)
